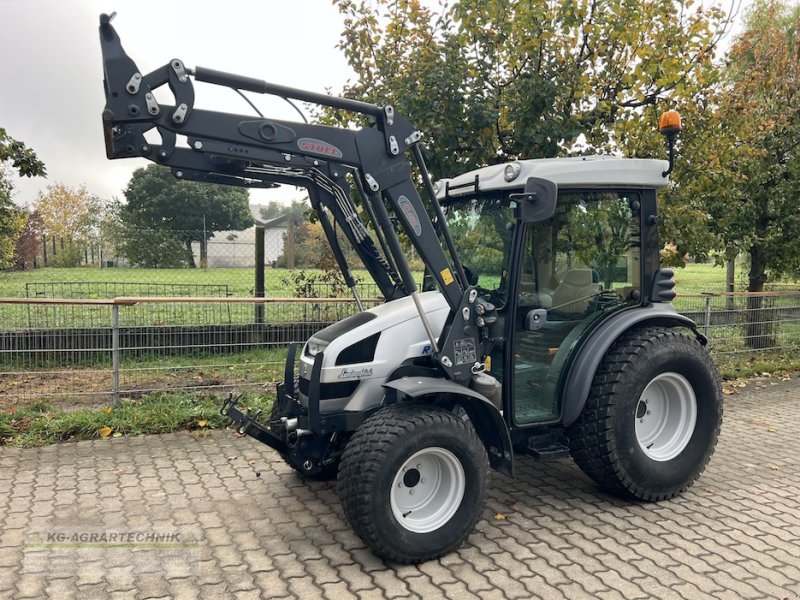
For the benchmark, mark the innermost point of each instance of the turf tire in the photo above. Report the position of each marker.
(603, 441)
(375, 456)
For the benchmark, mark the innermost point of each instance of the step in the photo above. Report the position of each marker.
(548, 446)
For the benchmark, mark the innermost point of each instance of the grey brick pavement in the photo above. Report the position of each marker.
(264, 533)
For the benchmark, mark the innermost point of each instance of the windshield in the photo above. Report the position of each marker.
(481, 229)
(589, 248)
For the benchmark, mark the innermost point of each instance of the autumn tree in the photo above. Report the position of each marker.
(498, 80)
(15, 157)
(186, 210)
(762, 108)
(490, 81)
(71, 215)
(312, 249)
(753, 196)
(28, 243)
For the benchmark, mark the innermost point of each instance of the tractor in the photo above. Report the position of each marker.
(543, 325)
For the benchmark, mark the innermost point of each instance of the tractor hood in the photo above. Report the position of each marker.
(369, 344)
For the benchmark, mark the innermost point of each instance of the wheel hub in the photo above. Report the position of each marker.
(411, 478)
(427, 490)
(666, 415)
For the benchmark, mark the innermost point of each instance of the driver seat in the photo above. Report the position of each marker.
(575, 291)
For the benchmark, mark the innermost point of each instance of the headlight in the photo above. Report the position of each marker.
(314, 347)
(512, 171)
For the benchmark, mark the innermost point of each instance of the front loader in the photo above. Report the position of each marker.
(543, 326)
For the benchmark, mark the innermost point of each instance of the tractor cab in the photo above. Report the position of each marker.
(555, 277)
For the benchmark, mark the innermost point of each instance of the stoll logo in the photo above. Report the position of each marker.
(355, 373)
(318, 147)
(411, 214)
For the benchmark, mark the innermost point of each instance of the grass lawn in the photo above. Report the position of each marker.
(699, 278)
(45, 423)
(240, 281)
(77, 393)
(693, 279)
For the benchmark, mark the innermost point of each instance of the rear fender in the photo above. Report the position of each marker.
(485, 418)
(575, 390)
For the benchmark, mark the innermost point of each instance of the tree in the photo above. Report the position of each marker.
(757, 210)
(490, 81)
(598, 234)
(29, 241)
(71, 216)
(12, 223)
(189, 211)
(498, 80)
(313, 251)
(15, 156)
(297, 209)
(148, 248)
(736, 184)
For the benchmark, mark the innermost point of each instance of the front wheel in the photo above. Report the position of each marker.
(652, 418)
(413, 482)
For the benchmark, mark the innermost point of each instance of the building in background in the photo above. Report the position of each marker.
(230, 249)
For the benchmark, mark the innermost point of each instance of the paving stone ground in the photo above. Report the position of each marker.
(248, 527)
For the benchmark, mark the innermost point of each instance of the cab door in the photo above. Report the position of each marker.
(573, 269)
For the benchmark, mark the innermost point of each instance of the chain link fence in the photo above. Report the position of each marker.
(280, 242)
(744, 323)
(89, 351)
(283, 245)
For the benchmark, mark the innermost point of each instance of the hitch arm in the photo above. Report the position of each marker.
(249, 425)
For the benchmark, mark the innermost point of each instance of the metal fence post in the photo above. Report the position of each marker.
(115, 351)
(259, 290)
(707, 323)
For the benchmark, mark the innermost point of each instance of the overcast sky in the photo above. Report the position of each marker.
(51, 92)
(51, 74)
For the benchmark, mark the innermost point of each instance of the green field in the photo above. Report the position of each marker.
(693, 279)
(240, 281)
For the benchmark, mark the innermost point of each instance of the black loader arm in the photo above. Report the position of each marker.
(255, 151)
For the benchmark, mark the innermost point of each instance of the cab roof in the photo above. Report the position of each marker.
(571, 172)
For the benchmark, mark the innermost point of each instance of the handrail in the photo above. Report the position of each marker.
(132, 300)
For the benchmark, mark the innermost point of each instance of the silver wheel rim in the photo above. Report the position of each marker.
(666, 415)
(427, 490)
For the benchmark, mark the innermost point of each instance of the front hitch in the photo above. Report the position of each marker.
(249, 425)
(275, 434)
(299, 433)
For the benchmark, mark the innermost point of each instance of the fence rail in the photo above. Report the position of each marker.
(745, 322)
(102, 349)
(111, 289)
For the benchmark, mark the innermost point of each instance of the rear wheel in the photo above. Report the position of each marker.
(652, 418)
(413, 482)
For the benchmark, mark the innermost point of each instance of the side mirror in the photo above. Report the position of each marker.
(537, 202)
(535, 319)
